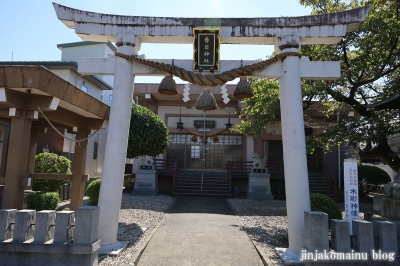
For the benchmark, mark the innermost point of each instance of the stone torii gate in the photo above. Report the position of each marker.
(286, 33)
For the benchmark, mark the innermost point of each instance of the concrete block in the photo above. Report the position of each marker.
(44, 228)
(7, 220)
(364, 236)
(87, 225)
(258, 186)
(378, 204)
(391, 207)
(386, 236)
(64, 231)
(340, 235)
(24, 227)
(146, 183)
(316, 231)
(397, 229)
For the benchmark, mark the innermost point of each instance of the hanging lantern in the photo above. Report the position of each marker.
(243, 89)
(194, 138)
(179, 125)
(206, 101)
(168, 85)
(215, 138)
(229, 124)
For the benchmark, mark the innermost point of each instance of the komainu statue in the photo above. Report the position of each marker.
(258, 162)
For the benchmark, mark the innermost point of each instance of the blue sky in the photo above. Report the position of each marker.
(30, 30)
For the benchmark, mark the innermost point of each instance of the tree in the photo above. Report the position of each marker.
(370, 65)
(148, 135)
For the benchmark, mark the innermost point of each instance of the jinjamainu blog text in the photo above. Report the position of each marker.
(350, 256)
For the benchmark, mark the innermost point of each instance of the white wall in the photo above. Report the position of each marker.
(249, 147)
(92, 50)
(94, 167)
(100, 50)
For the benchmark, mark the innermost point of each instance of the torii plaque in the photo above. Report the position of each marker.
(286, 33)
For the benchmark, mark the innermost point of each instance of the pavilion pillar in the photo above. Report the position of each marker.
(17, 167)
(32, 154)
(294, 146)
(116, 144)
(78, 169)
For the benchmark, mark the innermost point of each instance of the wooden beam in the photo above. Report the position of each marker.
(14, 112)
(46, 103)
(70, 119)
(51, 176)
(12, 98)
(31, 114)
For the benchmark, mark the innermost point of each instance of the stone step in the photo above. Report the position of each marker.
(215, 183)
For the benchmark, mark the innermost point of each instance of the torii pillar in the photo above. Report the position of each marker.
(294, 146)
(116, 143)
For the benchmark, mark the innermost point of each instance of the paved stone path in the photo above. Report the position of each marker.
(200, 231)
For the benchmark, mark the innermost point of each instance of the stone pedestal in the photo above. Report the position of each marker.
(258, 186)
(146, 183)
(389, 205)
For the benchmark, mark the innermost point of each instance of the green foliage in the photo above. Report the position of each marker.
(93, 192)
(372, 175)
(325, 204)
(262, 108)
(50, 163)
(42, 201)
(370, 69)
(148, 135)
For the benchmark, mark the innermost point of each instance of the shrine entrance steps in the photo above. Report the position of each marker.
(214, 183)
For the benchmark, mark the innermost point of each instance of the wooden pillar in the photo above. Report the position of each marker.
(17, 166)
(32, 154)
(78, 169)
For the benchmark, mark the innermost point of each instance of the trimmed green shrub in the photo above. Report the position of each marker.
(50, 163)
(42, 201)
(93, 192)
(325, 204)
(148, 135)
(372, 175)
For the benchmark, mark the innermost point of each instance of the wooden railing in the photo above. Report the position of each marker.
(330, 179)
(167, 165)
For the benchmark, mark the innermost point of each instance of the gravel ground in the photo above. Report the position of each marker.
(140, 215)
(265, 222)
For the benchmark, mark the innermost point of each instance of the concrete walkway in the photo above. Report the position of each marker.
(200, 231)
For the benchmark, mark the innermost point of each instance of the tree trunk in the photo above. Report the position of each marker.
(384, 153)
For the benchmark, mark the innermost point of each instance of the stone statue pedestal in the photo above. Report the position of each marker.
(389, 204)
(258, 186)
(146, 183)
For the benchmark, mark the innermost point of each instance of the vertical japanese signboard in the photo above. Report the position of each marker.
(351, 191)
(206, 50)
